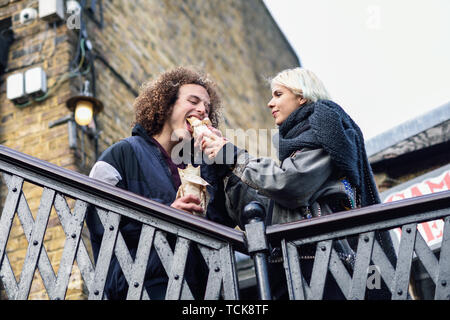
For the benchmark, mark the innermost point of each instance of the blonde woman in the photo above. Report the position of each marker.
(323, 169)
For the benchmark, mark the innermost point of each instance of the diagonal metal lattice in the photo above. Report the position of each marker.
(354, 283)
(217, 244)
(37, 256)
(218, 255)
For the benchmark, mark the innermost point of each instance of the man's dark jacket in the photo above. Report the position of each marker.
(145, 171)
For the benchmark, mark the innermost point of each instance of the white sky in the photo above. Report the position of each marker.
(384, 61)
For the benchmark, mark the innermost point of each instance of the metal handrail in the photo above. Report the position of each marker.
(388, 214)
(217, 242)
(294, 230)
(365, 225)
(351, 270)
(95, 188)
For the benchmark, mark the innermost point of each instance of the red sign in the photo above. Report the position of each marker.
(431, 231)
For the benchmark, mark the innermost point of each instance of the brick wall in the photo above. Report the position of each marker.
(235, 41)
(26, 129)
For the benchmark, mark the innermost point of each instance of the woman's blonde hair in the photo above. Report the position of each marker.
(302, 82)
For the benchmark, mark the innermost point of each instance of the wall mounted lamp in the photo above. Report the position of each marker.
(84, 107)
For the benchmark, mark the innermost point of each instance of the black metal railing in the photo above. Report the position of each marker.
(68, 194)
(61, 187)
(363, 224)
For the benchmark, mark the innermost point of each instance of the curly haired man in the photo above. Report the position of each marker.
(142, 164)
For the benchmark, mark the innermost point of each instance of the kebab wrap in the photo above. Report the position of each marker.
(199, 126)
(193, 183)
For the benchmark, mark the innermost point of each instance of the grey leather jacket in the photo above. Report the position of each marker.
(301, 187)
(304, 185)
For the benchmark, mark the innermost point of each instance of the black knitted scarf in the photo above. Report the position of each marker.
(324, 124)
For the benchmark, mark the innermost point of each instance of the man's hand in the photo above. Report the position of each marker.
(188, 203)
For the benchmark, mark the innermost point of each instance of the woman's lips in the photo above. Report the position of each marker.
(274, 114)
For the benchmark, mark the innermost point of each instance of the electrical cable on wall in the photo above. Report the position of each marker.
(77, 65)
(81, 68)
(77, 72)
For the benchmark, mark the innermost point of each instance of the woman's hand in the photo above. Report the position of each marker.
(211, 143)
(188, 203)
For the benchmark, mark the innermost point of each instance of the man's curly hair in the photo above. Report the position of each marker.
(154, 105)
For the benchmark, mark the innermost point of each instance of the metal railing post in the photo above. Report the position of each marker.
(257, 246)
